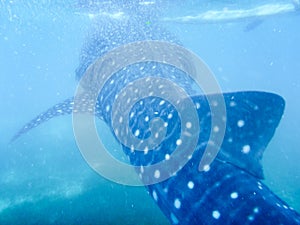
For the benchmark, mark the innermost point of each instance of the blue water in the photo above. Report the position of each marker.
(43, 177)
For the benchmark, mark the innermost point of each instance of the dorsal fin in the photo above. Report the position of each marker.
(252, 118)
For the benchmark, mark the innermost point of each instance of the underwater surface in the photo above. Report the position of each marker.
(248, 45)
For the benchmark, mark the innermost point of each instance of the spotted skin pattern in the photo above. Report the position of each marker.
(229, 191)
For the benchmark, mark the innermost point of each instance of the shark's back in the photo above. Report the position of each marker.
(229, 190)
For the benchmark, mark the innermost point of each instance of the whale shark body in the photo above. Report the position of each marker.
(229, 190)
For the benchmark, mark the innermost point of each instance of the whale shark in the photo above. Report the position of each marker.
(229, 190)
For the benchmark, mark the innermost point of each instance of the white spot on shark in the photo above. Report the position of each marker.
(241, 123)
(157, 174)
(234, 195)
(137, 133)
(167, 156)
(177, 203)
(188, 125)
(162, 102)
(179, 142)
(216, 129)
(251, 218)
(190, 184)
(216, 214)
(154, 195)
(246, 149)
(206, 168)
